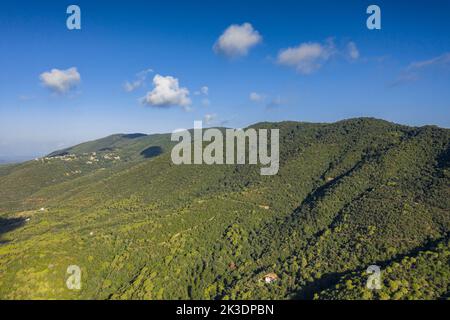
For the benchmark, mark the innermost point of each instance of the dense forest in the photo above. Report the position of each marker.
(348, 195)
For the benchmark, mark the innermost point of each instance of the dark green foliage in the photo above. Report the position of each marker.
(348, 195)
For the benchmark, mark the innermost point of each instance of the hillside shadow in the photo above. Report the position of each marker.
(321, 190)
(308, 291)
(443, 160)
(152, 152)
(329, 280)
(133, 135)
(8, 225)
(58, 154)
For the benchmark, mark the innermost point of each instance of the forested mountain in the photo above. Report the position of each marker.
(348, 195)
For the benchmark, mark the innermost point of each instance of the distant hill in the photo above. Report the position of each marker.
(128, 145)
(348, 195)
(14, 159)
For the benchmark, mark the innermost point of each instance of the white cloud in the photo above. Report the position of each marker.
(307, 57)
(442, 60)
(131, 86)
(209, 118)
(237, 40)
(204, 90)
(166, 93)
(256, 97)
(139, 82)
(413, 71)
(60, 81)
(270, 102)
(276, 102)
(144, 72)
(352, 50)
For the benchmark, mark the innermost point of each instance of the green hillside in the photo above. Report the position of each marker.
(348, 195)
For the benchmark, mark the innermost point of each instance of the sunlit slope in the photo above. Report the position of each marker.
(128, 146)
(422, 274)
(19, 183)
(348, 195)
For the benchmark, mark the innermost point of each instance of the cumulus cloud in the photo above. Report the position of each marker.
(60, 81)
(256, 97)
(352, 50)
(167, 92)
(237, 40)
(139, 82)
(306, 57)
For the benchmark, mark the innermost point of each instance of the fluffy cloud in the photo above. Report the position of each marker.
(237, 40)
(167, 92)
(306, 57)
(60, 81)
(352, 50)
(139, 82)
(256, 97)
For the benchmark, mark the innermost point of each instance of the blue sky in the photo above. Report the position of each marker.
(335, 68)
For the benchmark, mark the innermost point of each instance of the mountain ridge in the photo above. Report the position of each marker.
(348, 194)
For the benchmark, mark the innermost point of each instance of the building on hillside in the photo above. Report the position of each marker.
(270, 277)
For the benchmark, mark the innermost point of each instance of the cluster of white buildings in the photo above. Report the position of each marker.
(91, 157)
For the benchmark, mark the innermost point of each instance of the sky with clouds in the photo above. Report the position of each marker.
(156, 66)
